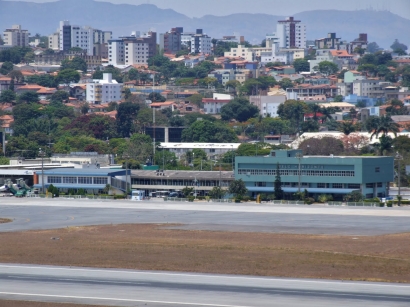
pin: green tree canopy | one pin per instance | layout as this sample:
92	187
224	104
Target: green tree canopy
237	188
205	131
67	76
126	113
301	65
328	68
75	63
28	97
240	109
7	96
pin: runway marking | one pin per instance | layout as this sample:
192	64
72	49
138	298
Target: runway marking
208	276
81	280
120	299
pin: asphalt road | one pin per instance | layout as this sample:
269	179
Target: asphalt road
140	288
28	214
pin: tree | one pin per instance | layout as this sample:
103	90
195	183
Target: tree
323	146
16	75
59	96
240	109
85	108
397	45
293	110
328	68
372	47
347	127
68	75
75	63
76	49
126	113
205	131
301	65
278	184
6	67
28	97
237	188
156	97
359	50
383	124
354	196
286	83
369	69
338	98
217	193
7	96
176	121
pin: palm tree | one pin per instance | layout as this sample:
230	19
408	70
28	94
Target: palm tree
347	127
315	108
327	114
383	124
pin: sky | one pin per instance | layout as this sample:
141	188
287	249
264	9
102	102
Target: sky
198	8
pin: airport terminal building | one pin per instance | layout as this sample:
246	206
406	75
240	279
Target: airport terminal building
335	175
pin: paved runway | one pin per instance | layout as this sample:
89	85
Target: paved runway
50	214
158	289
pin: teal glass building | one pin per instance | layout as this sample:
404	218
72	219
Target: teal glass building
335	175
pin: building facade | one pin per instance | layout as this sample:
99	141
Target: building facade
170	42
333	175
201	43
291	33
268	105
104	91
131	50
16	36
213	105
241	51
175	181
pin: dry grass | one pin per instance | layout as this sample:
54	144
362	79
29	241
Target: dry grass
151	247
39	304
3	220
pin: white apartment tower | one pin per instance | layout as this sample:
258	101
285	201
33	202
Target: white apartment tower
16	36
291	33
76	36
54	40
104	91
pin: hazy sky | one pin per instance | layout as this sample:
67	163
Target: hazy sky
199	8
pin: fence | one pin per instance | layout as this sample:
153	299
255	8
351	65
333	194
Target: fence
353	204
224	200
71	196
287	202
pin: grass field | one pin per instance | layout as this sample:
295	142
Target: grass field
153	247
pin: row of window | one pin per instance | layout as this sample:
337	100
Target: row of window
175	182
355	186
77	180
285	172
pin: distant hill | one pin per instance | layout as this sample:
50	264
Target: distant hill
381	26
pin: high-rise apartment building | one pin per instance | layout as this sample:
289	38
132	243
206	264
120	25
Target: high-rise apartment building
170	42
201	43
69	36
291	33
134	49
16	36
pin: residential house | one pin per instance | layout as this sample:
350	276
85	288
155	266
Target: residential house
268	105
213	105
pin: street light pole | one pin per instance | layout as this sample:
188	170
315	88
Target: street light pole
41	153
398	158
126	156
299	156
